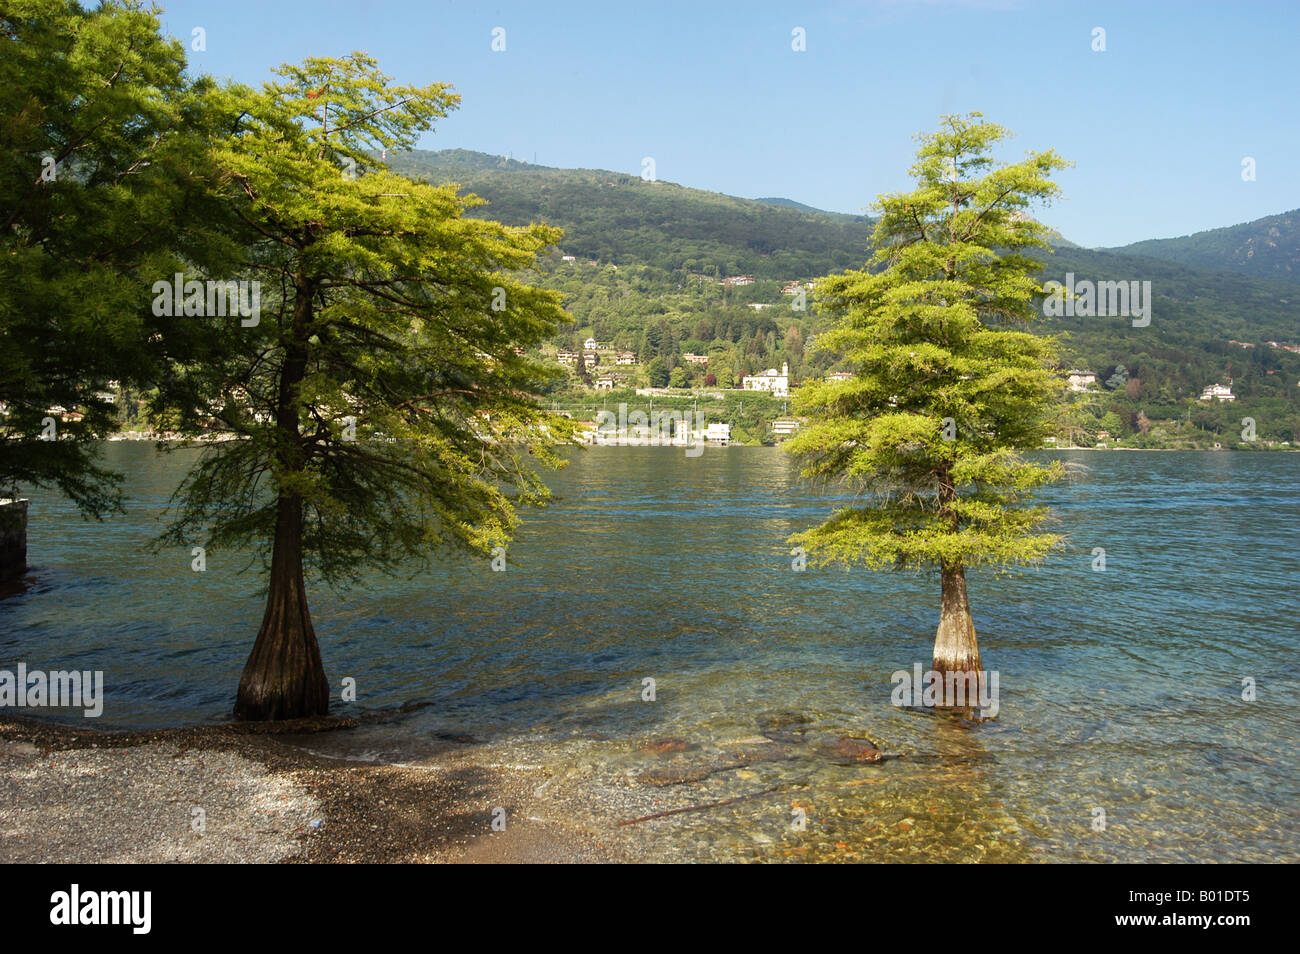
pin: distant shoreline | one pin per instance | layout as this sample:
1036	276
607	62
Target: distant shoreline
141	437
1205	450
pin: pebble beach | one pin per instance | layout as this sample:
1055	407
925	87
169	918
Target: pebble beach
230	794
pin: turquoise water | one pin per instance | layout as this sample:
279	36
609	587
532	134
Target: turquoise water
1119	690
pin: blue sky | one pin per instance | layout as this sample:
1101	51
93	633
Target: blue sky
1157	125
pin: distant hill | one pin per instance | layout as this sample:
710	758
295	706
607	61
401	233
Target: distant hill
622	218
1265	248
1216	305
649	257
614	217
788	204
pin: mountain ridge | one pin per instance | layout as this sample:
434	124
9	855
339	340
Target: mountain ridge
1268	247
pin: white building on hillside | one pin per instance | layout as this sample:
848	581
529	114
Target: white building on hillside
1220	392
1081	380
773	381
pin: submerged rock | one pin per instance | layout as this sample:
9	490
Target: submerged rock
669	745
680	773
784	726
1224	757
766	752
850	749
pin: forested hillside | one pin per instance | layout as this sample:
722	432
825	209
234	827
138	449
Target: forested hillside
1266	248
642	267
622	218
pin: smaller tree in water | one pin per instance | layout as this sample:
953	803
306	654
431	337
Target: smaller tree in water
949	384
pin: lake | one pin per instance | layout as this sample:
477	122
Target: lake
1120	690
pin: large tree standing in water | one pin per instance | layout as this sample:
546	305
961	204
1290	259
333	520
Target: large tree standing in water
382	410
949	384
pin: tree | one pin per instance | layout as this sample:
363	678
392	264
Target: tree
949	386
721	368
658	372
101	181
382	412
794	341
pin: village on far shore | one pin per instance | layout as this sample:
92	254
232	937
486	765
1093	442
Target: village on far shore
601	368
712	408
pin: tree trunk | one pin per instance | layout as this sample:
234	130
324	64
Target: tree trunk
284	677
955	648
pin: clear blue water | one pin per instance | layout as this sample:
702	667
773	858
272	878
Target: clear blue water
1119	690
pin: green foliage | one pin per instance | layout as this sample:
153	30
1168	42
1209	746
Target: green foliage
949	386
101	182
643	281
612	216
380	390
658	372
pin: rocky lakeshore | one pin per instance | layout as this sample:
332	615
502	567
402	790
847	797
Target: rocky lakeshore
368	789
234	793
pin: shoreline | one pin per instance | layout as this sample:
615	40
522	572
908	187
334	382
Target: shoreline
140	437
88	795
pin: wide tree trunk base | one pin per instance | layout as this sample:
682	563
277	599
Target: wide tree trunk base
284	677
956	650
